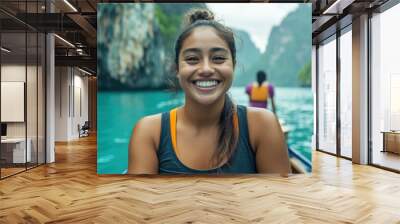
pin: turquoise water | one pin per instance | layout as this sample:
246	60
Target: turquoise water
119	111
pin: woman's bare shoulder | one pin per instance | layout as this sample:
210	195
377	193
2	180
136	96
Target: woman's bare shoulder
260	116
262	124
143	146
150	121
149	127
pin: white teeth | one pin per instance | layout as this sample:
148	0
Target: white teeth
206	84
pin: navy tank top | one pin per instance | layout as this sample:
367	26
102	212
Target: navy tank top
241	161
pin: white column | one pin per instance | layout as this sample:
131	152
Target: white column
314	91
50	93
360	90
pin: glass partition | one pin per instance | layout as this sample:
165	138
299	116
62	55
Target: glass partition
22	88
385	89
346	93
327	95
13	108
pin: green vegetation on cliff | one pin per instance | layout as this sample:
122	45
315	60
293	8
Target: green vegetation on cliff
169	19
168	24
305	75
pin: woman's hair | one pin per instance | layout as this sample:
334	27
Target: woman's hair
204	17
227	136
261	77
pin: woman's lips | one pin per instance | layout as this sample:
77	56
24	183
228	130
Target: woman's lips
206	86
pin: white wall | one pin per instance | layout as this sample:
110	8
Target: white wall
71	93
13	73
80	83
62	81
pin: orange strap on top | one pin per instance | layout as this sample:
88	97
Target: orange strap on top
236	123
172	124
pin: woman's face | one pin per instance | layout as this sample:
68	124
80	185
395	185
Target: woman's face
205	66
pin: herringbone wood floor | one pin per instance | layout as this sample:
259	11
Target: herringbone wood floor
70	191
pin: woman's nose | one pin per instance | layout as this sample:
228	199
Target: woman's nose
207	68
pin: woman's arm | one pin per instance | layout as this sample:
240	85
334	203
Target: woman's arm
267	138
143	145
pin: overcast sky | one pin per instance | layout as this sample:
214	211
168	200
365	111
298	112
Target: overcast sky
255	18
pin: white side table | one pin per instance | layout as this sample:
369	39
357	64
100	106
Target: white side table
19	149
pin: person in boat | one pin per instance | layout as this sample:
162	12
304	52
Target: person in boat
209	133
259	92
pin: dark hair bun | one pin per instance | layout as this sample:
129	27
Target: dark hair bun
199	14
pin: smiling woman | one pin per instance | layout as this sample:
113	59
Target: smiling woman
209	133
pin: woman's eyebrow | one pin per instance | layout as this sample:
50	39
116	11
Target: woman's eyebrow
198	50
189	50
214	49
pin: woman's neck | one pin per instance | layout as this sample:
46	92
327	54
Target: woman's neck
202	115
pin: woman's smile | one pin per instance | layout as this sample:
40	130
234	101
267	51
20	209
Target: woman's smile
206	85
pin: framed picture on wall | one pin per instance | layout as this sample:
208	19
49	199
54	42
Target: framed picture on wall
12	101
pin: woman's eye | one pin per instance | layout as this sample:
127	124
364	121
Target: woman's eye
191	60
219	59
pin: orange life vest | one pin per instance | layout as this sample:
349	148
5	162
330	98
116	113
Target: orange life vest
259	93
